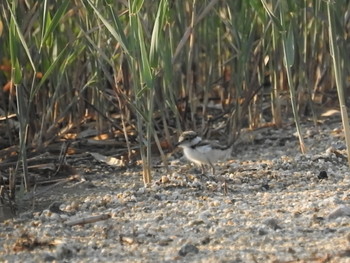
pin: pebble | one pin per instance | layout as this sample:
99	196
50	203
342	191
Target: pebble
165	179
340	211
272	223
322	175
64	251
188	248
262	231
276	209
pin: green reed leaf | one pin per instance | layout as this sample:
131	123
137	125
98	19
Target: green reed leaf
50	25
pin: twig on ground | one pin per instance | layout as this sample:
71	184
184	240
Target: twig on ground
88	220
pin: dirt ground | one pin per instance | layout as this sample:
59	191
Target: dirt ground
269	203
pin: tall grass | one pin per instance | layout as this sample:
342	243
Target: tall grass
161	67
338	54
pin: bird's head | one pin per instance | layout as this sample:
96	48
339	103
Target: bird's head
188	139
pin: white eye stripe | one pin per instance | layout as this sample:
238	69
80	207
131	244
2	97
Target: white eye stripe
187	136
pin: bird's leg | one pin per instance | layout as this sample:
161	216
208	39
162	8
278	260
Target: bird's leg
225	187
212	168
205	174
203	169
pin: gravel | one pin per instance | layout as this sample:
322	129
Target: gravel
270	203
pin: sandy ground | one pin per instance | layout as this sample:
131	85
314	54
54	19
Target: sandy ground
270	203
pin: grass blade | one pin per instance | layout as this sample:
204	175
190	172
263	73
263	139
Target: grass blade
110	28
49	71
20	35
337	67
48	29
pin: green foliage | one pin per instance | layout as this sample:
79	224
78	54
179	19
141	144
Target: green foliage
160	64
49	25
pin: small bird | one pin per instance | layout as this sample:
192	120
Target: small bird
202	152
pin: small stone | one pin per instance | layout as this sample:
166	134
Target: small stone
55	216
322	175
55	208
64	251
265	187
165	241
49	257
165	179
196	222
345	253
328	230
158	197
232	201
188	248
75	205
141	190
291	250
339	212
205	241
26	215
330	150
45	214
317	219
272	223
262	232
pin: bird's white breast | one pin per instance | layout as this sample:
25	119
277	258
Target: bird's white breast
205	154
196	156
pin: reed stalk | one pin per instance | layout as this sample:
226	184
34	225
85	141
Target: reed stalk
164	66
338	70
